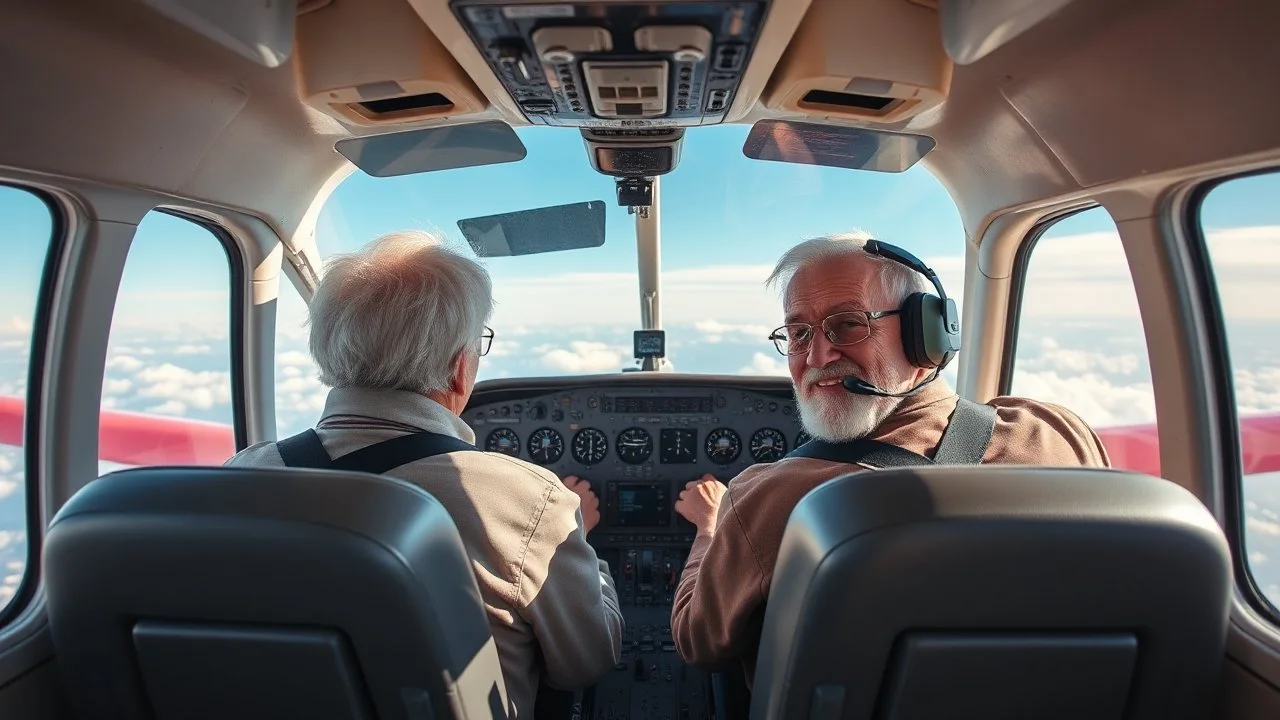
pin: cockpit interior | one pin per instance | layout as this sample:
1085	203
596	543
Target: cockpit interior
1094	183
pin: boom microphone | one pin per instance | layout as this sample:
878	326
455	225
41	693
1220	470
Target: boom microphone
858	386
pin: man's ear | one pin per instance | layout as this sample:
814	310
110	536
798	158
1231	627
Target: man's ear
458	373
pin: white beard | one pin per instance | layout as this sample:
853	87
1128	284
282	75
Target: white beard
840	418
844	416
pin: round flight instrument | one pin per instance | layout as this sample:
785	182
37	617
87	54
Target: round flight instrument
802	438
503	440
723	446
634	445
545	446
767	445
590	446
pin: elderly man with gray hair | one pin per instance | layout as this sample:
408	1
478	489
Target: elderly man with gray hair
397	330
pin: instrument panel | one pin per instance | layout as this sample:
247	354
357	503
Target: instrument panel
652	432
638	439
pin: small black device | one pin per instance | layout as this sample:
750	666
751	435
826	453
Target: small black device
650	343
635	192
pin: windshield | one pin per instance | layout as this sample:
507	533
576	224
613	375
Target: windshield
725	220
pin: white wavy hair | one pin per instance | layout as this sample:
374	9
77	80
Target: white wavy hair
395	314
897	280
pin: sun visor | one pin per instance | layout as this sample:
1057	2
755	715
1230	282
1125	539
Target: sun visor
835	146
430	149
528	232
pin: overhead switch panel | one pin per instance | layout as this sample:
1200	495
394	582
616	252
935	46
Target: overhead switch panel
658	63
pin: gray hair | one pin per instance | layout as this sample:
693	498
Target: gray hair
897	280
395	314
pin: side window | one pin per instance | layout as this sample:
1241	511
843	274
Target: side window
26	232
1240	222
166	396
299	395
1080	342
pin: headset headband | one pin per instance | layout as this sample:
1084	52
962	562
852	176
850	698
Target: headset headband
902	257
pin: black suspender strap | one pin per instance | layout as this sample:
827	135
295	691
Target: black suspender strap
964	442
872	453
305	450
967	436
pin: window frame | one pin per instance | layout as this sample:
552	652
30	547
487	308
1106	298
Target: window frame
1230	465
1017	289
31	442
236	278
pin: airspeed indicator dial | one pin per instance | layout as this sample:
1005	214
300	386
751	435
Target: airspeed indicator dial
590	446
768	445
723	446
545	446
503	440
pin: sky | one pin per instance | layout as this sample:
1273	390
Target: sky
725	219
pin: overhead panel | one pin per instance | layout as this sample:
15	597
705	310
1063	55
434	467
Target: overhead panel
668	63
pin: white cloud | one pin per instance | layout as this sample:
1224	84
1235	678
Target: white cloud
1262	527
127	363
293	357
169	407
192	350
762	364
502	348
714	330
7	488
15	325
584	356
201	389
117	386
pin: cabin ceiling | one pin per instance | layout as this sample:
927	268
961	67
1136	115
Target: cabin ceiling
1100	91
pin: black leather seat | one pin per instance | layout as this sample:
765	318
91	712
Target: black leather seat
259	593
995	592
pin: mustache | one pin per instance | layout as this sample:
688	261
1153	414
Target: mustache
834	371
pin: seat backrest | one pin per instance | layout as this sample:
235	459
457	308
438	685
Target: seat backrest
995	592
204	593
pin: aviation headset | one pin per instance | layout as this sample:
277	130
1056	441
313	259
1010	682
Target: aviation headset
930	323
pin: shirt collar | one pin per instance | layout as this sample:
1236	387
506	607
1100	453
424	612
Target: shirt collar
398	406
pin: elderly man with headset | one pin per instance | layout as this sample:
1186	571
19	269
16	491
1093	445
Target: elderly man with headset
865	339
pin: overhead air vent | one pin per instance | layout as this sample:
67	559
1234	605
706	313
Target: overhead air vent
374	63
869	103
412	104
880	61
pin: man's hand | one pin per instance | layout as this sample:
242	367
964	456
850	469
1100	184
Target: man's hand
699	502
590	503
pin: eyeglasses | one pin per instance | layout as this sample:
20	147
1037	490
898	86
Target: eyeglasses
842	328
486	340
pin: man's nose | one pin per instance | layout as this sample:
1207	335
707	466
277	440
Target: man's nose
821	352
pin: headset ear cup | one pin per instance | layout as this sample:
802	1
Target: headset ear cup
912	316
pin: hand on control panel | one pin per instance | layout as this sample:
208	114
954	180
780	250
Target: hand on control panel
699	502
590	503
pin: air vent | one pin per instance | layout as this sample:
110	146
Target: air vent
847	100
425	101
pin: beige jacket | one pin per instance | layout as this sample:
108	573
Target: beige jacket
719	604
551	602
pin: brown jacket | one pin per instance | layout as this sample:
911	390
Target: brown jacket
719	603
550	601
